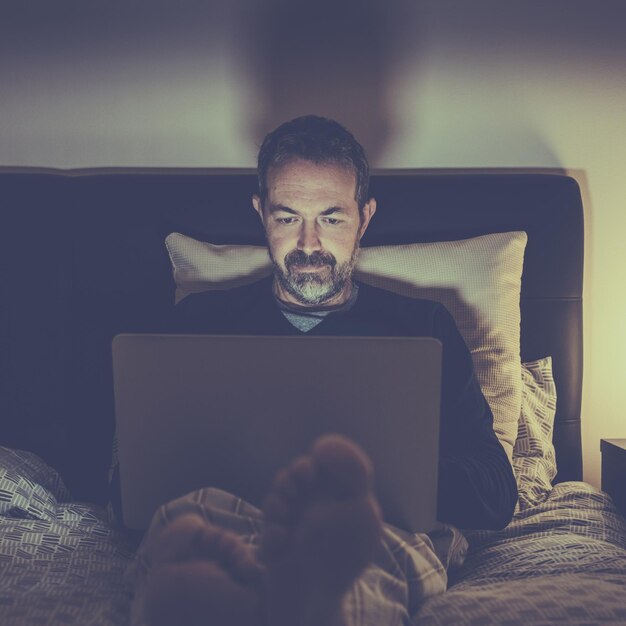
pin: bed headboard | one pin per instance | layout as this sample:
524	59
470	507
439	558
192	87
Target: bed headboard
87	261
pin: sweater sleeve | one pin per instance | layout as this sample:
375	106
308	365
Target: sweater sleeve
477	488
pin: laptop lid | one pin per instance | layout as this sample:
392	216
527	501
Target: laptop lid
195	411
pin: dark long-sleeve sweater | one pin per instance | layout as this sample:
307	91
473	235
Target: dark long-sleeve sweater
477	488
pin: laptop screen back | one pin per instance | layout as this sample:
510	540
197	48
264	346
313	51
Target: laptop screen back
194	411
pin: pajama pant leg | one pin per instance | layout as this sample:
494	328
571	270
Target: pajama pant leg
407	569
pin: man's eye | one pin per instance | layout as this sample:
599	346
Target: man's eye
332	221
285	220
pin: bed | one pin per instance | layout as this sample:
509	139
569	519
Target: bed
86	259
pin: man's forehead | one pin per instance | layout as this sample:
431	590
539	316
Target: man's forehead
305	179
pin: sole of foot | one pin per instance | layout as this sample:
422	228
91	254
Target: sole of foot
322	529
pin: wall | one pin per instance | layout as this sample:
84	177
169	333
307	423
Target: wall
438	83
536	84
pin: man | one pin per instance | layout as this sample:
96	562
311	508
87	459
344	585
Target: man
324	557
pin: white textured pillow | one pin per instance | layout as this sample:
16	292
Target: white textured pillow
478	280
534	459
199	266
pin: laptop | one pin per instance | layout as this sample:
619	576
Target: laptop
197	411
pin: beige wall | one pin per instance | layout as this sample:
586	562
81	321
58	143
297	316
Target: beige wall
487	83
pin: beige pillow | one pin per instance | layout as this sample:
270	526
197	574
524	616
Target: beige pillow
478	280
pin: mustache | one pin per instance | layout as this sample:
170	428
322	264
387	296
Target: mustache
299	258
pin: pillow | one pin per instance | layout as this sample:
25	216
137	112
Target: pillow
534	459
199	266
478	280
29	488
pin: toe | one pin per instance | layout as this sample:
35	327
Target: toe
343	467
277	508
241	563
284	484
228	550
181	539
303	475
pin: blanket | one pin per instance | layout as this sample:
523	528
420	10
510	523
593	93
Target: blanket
562	561
61	562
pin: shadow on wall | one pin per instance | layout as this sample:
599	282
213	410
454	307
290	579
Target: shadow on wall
329	57
166	81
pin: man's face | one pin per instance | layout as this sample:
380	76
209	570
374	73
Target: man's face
313	229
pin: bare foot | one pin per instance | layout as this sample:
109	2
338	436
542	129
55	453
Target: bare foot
322	528
203	574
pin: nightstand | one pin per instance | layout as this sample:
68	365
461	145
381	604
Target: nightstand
614	471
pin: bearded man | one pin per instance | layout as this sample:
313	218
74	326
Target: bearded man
320	553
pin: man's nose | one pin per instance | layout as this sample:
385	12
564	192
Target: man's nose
309	240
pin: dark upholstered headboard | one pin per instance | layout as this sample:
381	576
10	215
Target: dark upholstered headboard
85	259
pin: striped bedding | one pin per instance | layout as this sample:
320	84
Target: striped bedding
560	562
61	562
563	561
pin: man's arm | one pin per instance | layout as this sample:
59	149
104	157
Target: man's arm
477	488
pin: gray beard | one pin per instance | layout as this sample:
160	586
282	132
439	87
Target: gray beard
312	288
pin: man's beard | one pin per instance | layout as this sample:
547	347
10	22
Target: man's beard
315	287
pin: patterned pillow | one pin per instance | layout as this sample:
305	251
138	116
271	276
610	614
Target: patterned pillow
478	280
534	460
29	488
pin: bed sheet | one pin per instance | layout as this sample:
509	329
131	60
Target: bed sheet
61	562
562	561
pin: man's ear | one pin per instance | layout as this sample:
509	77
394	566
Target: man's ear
258	207
369	208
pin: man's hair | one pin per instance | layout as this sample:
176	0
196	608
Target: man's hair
317	139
